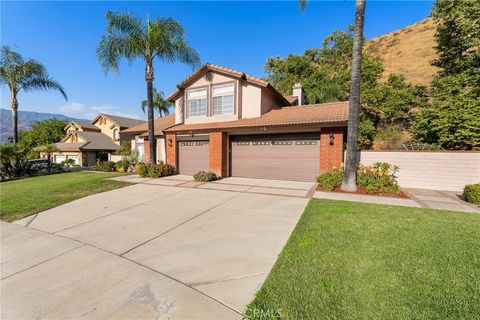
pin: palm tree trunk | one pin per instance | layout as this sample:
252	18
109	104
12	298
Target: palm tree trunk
151	134
49	163
14	107
349	180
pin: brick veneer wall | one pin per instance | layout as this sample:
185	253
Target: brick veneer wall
331	155
146	151
171	149
218	153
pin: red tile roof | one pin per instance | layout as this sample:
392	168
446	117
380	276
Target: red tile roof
324	113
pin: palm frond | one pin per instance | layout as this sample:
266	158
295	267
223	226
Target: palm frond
43	83
143	105
126	23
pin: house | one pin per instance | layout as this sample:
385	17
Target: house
237	125
139	138
85	143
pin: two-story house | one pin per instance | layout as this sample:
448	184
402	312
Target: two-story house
85	143
238	125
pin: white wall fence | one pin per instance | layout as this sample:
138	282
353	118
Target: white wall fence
115	157
438	170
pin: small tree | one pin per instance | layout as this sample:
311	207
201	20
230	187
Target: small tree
48	149
159	103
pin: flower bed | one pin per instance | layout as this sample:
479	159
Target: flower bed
378	179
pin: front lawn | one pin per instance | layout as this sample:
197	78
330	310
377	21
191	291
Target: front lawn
350	260
20	198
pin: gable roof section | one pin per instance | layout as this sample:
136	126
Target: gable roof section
324	113
83	125
122	122
159	125
93	141
227	71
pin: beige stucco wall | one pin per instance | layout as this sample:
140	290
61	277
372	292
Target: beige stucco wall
430	170
161	154
251	101
106	128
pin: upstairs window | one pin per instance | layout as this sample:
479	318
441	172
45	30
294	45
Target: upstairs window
223	97
115	134
197	102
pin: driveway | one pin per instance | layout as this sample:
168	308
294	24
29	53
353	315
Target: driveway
161	249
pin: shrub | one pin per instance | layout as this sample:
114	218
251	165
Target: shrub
122	165
205	176
328	181
105	166
154	170
471	193
13	162
141	169
377	178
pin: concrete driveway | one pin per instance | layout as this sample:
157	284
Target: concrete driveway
161	249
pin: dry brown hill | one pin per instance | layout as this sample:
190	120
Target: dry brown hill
407	51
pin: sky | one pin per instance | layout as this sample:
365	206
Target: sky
242	35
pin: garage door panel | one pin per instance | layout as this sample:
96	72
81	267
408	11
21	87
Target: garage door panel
288	157
193	156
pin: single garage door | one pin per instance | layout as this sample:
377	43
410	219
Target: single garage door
193	156
281	156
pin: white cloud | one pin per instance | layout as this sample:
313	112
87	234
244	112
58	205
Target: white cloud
73	108
80	110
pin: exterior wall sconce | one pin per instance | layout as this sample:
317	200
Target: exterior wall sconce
264	129
170	142
331	137
191	133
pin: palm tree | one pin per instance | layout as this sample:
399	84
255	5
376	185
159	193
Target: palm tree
48	149
130	37
159	103
28	75
350	177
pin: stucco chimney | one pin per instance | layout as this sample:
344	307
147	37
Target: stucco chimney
298	92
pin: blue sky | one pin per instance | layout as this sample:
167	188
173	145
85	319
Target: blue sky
239	35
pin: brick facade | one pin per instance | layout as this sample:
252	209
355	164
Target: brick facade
171	142
146	151
219	153
331	155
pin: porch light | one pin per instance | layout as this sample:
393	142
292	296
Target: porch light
191	133
170	142
332	138
264	129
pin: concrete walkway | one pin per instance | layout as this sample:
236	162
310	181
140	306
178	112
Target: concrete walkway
419	198
156	249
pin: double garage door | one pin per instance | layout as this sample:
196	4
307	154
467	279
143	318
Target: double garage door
284	157
278	156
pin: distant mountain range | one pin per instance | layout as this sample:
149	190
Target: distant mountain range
25	120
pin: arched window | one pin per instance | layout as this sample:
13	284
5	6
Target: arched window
115	134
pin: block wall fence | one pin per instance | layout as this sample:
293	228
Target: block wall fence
438	170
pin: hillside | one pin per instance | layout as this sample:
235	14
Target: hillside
25	120
407	51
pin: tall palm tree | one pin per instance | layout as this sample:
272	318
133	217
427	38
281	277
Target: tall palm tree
159	103
349	182
350	177
130	37
20	74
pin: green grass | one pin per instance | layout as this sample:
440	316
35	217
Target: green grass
23	197
348	260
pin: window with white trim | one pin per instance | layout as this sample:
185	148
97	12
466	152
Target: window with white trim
223	99
197	102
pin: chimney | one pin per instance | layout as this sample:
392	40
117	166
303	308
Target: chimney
298	92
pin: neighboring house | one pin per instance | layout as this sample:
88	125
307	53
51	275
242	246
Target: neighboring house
237	125
139	138
85	143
